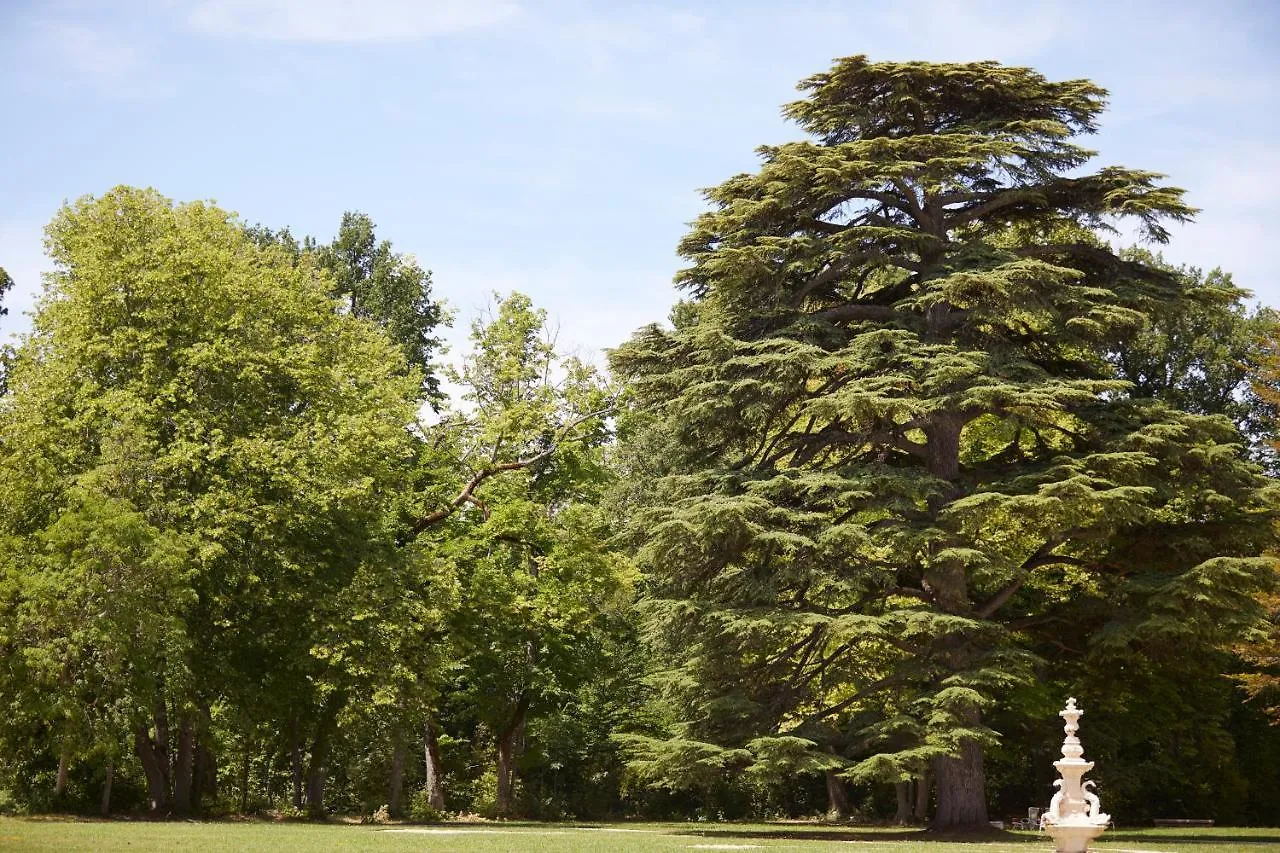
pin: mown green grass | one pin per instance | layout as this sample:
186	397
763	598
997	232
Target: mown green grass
67	835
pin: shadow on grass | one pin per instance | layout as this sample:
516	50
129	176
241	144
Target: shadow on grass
853	834
1241	841
1194	837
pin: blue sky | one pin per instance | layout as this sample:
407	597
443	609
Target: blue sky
558	147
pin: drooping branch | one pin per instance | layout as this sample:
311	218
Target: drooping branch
870	689
1043	556
1098	256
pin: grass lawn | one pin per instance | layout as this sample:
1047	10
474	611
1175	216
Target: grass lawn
68	835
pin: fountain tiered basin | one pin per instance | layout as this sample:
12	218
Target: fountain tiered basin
1075	815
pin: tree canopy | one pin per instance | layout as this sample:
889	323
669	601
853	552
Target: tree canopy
197	441
894	452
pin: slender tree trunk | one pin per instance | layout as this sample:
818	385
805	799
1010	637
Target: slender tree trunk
903	792
244	777
922	797
269	772
163	755
837	796
506	775
155	766
64	774
399	753
508	739
184	767
105	807
297	776
435	771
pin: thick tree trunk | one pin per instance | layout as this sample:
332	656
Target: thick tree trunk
922	798
903	793
399	752
64	774
961	788
316	777
943	446
508	740
106	788
317	770
204	778
837	796
435	771
184	767
155	766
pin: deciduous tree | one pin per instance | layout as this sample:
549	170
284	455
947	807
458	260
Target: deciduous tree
192	421
539	585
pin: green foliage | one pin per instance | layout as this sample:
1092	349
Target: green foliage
920	455
421	810
1260	649
375	283
541	592
196	461
890	456
388	288
1205	354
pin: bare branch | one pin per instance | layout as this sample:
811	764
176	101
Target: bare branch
467	495
990	204
1043	556
873	687
842	313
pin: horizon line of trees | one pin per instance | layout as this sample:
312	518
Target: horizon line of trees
919	454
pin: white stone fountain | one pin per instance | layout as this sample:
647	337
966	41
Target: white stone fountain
1075	815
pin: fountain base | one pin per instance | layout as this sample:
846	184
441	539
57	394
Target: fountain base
1073	837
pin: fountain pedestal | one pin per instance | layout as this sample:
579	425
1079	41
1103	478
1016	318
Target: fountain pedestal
1075	814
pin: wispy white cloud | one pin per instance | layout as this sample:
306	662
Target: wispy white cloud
619	40
982	29
75	55
90	51
345	20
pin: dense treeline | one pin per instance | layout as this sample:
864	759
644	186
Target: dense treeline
919	455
